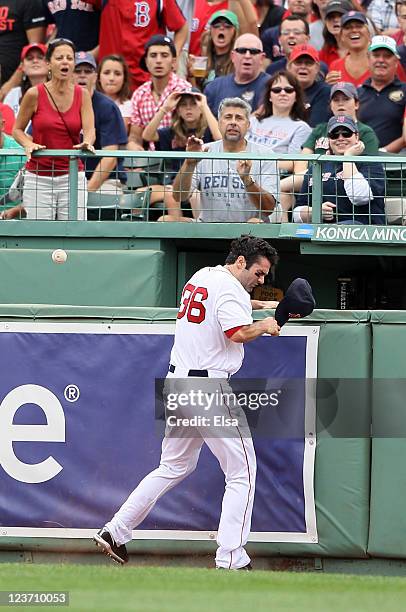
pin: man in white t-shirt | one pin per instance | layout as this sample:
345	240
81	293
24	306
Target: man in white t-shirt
213	323
230	190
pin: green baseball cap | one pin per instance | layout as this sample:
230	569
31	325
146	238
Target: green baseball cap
229	15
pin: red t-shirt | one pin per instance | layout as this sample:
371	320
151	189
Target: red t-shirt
126	26
345	76
202	13
8	117
48	129
328	55
398	37
340	65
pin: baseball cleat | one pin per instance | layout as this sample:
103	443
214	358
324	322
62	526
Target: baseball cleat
104	540
247	568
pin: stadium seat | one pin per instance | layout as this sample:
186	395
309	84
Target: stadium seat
138	203
395	193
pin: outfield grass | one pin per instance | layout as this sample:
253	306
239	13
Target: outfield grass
168	589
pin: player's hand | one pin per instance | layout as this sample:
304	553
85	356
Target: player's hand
271	326
328	211
356	149
263	304
244	168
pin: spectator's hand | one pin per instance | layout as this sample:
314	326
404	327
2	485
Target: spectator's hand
356	149
194	145
244	168
328	210
201	101
171	102
333	77
189	65
33	146
85	146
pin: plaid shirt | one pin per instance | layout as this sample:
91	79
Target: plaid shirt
144	107
382	13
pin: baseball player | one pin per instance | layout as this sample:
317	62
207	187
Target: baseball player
213	323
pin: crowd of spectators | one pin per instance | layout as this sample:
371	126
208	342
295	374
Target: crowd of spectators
262	76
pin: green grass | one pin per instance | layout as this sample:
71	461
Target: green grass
168	589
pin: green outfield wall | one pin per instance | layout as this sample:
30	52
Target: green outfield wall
360	482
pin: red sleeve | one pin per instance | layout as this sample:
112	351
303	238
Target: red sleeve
231	332
173	16
8	117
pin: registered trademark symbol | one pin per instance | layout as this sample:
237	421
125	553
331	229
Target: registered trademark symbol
71	393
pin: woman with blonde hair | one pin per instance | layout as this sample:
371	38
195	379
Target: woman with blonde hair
217	44
191	115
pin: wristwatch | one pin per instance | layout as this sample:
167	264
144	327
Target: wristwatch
251	182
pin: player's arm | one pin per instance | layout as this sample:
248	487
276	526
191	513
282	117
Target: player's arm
246	333
263	304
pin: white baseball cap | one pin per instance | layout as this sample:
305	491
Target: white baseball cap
383	42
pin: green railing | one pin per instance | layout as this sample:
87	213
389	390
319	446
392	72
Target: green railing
395	166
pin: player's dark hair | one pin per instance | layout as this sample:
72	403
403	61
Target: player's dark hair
251	248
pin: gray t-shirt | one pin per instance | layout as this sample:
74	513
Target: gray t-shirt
281	134
223	196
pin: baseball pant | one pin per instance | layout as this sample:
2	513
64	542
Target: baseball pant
235	452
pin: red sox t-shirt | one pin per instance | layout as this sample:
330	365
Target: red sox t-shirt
127	25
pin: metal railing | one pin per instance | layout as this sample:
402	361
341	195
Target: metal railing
134	200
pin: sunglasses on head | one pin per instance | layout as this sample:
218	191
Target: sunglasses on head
288	89
345	132
250	50
60	41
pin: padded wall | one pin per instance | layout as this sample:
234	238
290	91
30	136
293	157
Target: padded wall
90	278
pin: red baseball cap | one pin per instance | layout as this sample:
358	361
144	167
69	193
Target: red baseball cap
27	49
301	50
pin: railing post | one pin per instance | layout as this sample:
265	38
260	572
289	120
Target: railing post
316	192
73	188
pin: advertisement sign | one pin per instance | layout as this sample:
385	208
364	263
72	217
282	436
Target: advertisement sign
78	432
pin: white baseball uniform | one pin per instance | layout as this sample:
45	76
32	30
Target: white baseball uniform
213	304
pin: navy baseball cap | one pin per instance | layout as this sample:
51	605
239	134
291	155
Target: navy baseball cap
342	121
82	57
348	89
297	303
162	41
353	16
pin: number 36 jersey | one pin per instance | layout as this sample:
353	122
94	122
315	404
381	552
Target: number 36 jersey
213	304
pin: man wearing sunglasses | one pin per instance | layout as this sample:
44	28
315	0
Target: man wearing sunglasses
352	193
247	82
